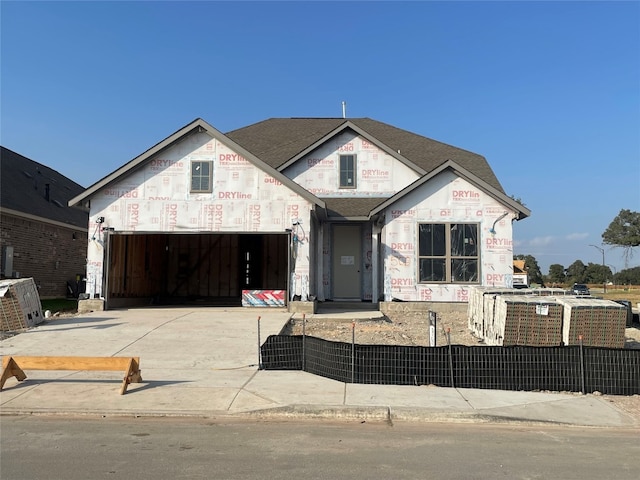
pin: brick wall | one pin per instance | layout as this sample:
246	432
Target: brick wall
46	252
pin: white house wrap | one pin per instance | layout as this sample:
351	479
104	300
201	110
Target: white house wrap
323	209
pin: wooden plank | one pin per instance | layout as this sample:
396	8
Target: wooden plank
139	287
234	273
15	366
116	268
224	266
156	273
203	265
71	363
275	261
132	375
193	242
10	369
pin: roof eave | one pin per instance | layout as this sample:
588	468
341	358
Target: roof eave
136	162
198	125
38	218
373	140
521	210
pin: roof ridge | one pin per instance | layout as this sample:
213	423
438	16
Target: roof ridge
43	166
421	136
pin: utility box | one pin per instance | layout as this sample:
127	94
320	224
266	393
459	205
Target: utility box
7	261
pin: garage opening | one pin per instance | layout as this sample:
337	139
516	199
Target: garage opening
203	269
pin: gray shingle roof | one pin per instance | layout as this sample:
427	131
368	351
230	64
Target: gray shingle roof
351	208
23	188
277	140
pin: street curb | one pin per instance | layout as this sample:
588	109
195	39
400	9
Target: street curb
5	412
430	416
392	415
337	412
314	412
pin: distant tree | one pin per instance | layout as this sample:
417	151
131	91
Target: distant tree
532	267
576	273
624	232
596	273
556	273
517	199
628	276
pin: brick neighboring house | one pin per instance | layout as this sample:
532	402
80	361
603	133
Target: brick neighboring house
40	235
324	209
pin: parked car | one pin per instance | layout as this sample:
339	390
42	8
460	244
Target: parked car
580	289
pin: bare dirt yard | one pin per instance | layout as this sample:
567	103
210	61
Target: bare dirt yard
404	329
413	329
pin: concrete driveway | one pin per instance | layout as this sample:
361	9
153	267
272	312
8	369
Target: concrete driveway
203	361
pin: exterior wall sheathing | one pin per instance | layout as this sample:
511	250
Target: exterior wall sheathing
446	198
156	198
378	173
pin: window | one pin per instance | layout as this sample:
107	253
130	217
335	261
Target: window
201	174
347	171
448	252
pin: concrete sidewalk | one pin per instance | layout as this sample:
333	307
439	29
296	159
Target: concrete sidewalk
204	362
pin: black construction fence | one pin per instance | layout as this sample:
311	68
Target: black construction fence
569	368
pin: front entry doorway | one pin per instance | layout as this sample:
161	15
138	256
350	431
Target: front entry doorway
347	262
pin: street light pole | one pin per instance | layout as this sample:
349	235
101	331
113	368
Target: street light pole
604	282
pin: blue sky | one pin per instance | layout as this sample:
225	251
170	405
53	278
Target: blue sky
548	92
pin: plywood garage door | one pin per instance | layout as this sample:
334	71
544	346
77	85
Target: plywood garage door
208	268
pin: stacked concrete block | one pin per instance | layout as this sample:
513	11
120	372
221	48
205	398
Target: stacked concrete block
481	307
601	323
482	300
20	306
550	292
525	320
12	317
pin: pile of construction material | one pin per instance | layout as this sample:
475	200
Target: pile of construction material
482	304
594	322
525	320
545	317
20	306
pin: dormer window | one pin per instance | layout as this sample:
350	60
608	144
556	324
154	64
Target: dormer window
347	171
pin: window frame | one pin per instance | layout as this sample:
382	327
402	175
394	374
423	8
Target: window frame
209	163
448	259
341	170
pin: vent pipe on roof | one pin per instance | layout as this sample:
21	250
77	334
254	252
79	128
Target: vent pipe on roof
344	109
46	191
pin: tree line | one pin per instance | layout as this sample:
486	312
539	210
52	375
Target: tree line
623	232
